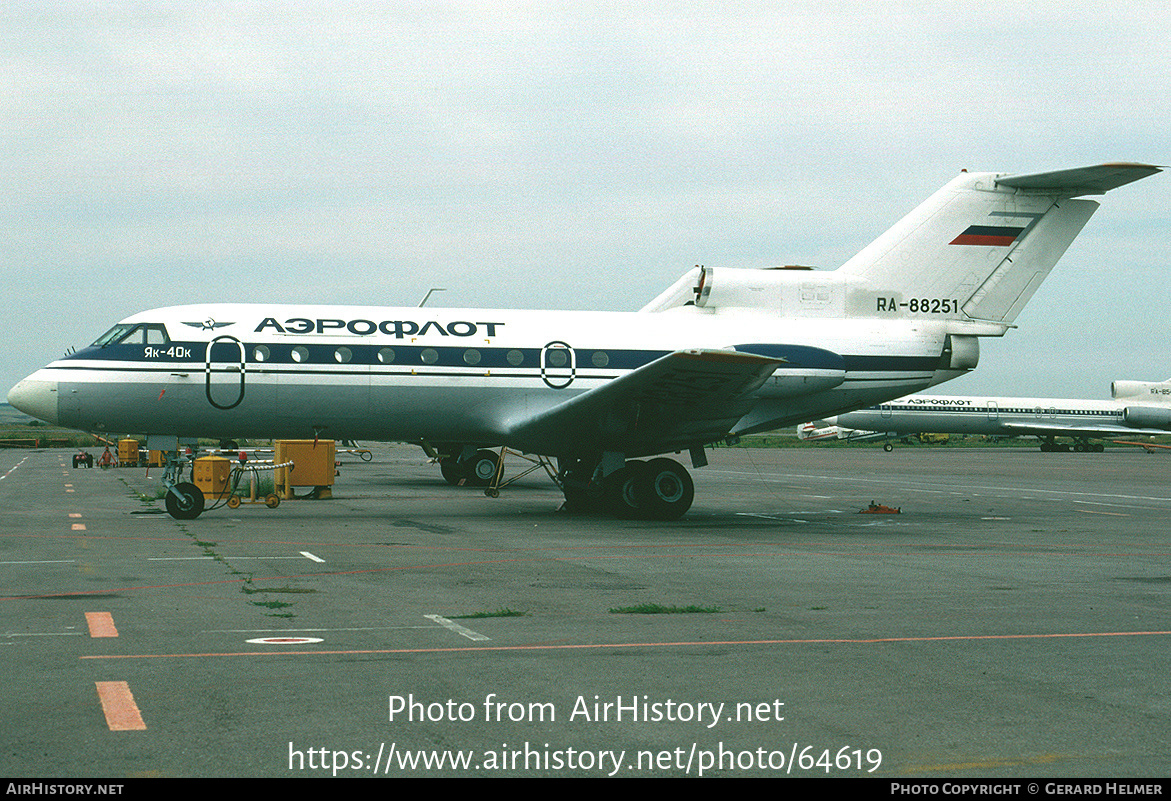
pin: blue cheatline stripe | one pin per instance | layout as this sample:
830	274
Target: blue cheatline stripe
797	356
891	363
410	357
380	354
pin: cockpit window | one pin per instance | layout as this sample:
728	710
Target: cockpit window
131	334
113	335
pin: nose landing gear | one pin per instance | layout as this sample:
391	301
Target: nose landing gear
184	501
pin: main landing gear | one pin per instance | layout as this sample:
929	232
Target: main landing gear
474	470
1050	445
655	489
658	489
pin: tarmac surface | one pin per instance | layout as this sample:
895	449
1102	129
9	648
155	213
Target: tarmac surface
1014	620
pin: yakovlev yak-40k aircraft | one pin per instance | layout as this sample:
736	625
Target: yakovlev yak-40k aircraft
1138	408
720	353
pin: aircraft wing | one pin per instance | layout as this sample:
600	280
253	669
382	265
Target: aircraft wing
685	398
1082	431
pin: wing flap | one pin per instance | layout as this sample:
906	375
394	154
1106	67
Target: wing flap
685	398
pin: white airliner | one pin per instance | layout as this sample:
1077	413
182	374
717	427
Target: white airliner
1141	408
721	352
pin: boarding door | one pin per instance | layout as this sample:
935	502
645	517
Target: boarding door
558	365
224	363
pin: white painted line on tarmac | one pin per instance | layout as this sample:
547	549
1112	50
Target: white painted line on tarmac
205	558
777	518
18	464
457	628
308	555
43	562
285	640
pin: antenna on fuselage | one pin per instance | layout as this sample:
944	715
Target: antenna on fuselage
423	302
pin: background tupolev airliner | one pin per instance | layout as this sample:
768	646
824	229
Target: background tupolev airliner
721	352
1138	408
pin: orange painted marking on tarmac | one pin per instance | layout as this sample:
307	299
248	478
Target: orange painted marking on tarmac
118	705
77	527
75	514
591	646
101	624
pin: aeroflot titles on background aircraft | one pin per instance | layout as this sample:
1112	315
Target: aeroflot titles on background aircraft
1137	408
721	352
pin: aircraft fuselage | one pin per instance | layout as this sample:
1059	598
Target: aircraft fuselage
409	374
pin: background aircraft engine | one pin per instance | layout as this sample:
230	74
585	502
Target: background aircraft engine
1141	390
1147	416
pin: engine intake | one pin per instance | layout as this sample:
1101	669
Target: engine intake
1147	416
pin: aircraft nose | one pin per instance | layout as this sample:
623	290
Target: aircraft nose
37	398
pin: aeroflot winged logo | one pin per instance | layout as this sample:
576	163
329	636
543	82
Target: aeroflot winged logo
208	325
362	328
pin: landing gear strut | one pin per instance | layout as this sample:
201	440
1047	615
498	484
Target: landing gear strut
184	500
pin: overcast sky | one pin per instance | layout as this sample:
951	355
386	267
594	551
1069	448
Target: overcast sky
562	155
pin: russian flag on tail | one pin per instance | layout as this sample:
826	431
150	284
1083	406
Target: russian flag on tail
988	235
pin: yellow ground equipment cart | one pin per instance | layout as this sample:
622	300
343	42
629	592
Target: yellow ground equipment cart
211	474
128	452
314	466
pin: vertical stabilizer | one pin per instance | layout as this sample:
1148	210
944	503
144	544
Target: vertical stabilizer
979	248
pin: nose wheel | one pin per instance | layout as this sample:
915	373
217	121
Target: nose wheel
184	501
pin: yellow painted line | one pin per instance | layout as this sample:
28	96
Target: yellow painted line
75	514
118	706
101	624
